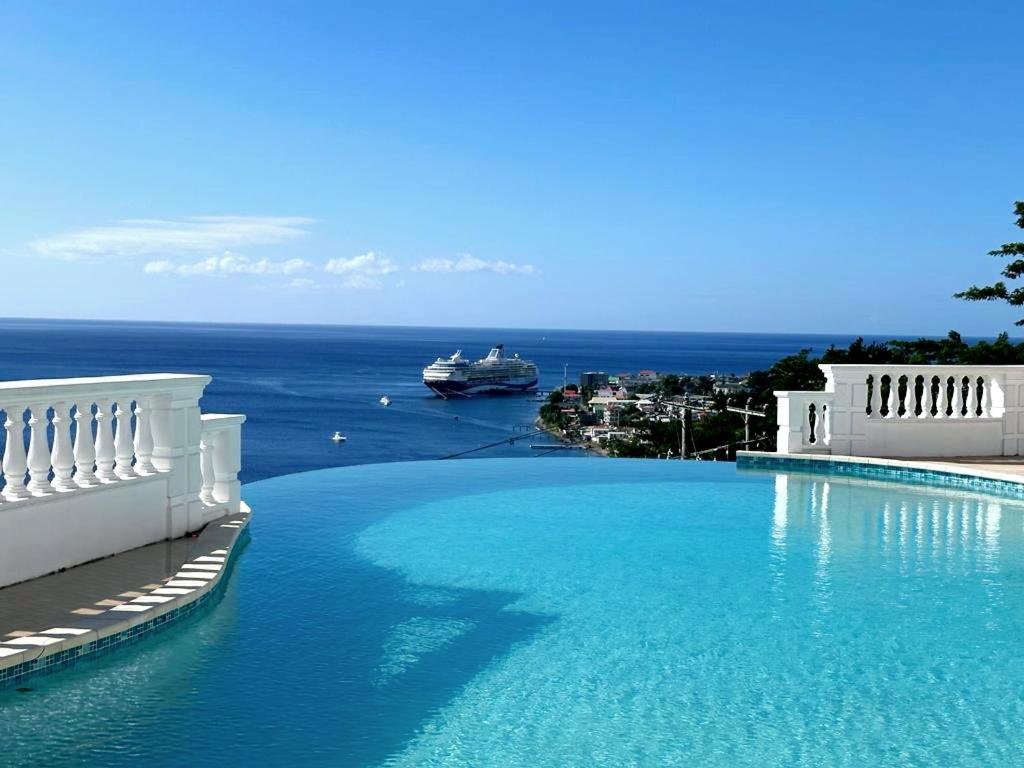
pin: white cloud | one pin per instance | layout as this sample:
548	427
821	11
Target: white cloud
227	265
468	263
368	264
133	238
362	272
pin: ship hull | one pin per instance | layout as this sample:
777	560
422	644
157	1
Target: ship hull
467	388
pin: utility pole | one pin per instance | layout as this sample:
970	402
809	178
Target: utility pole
565	376
682	433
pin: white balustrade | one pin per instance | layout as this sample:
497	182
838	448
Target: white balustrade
220	459
142	432
804	421
912	410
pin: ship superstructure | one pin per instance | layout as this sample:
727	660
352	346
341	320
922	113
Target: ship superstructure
495	373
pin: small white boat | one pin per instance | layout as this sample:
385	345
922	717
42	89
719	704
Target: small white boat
337	437
385	401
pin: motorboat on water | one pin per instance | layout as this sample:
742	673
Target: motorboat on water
385	401
337	437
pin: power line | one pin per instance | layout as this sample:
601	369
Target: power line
510	440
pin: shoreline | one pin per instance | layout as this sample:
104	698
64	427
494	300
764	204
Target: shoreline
589	447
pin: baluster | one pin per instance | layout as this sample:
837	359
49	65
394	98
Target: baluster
894	396
972	397
876	396
940	398
927	397
14	463
38	452
958	397
986	397
104	442
908	397
85	451
61	458
206	465
143	439
824	425
124	447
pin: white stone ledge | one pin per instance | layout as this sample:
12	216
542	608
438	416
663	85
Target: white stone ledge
10	505
71	389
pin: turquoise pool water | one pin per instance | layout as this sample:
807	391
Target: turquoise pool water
513	612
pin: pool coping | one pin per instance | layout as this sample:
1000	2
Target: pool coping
936	472
198	582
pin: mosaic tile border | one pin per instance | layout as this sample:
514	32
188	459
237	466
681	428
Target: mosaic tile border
885	469
87	638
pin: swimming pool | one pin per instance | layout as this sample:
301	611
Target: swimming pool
513	612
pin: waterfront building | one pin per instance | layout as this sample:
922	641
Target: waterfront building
593	379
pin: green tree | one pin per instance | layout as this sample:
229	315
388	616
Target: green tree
1015	269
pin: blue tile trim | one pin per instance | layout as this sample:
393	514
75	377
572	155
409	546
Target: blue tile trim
55	662
911	475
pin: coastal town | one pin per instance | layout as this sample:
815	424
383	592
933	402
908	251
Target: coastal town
648	414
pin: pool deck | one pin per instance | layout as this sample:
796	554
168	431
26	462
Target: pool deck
65	610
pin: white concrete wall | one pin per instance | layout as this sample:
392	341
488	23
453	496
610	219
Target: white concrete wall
39	536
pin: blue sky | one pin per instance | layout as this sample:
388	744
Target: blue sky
809	167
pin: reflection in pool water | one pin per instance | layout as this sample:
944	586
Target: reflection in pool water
586	612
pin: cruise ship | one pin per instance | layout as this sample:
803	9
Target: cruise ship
494	373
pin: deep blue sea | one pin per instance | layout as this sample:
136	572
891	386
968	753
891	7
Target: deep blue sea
298	384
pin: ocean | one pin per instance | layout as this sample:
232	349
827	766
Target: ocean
298	384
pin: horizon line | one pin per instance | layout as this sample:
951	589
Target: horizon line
290	324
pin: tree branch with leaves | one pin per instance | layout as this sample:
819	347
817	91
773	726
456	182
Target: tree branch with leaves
1015	269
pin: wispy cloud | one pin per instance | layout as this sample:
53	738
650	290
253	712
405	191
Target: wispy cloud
468	263
134	238
227	265
362	272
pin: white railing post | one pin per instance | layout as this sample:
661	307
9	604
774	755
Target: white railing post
15	464
104	441
61	458
143	438
206	465
986	397
893	400
124	447
790	425
175	424
85	450
972	397
958	397
222	440
38	452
